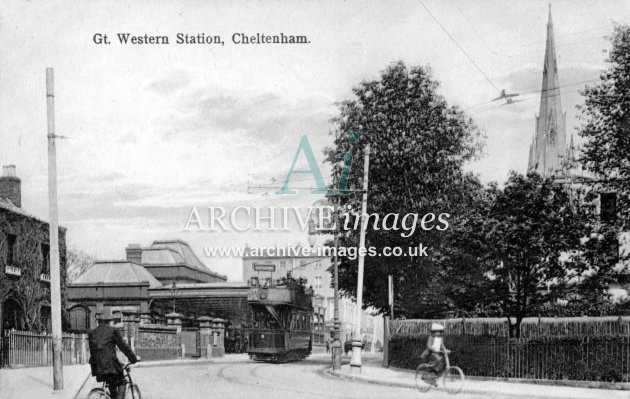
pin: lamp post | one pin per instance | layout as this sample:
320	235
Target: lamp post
355	361
336	346
173	294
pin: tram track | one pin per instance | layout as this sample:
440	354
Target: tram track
254	372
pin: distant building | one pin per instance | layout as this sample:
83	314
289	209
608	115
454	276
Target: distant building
24	260
113	284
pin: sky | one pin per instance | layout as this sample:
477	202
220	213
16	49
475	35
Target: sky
155	130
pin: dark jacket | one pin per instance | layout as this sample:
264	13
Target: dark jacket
103	342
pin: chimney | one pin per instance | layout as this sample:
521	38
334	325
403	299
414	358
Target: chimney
134	253
11	185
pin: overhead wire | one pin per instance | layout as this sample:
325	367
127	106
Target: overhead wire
459	46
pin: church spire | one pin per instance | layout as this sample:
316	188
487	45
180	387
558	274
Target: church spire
549	147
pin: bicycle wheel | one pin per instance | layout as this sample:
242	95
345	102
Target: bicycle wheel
133	392
98	393
422	373
453	379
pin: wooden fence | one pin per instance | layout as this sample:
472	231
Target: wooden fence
605	358
531	327
575	348
28	349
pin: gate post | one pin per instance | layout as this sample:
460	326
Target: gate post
175	319
130	323
205	336
386	341
218	342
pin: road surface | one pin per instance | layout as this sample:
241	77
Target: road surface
242	378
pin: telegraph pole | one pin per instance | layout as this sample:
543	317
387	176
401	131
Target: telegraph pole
55	275
355	361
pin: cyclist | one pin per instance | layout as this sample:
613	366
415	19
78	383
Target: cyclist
434	352
104	363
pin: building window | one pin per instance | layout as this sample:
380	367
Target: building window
318	282
283	265
608	206
45	259
318	264
11	249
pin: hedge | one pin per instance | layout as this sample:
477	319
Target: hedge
605	358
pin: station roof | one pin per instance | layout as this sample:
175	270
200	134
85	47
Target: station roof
117	272
174	252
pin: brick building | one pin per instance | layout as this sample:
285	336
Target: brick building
150	280
24	261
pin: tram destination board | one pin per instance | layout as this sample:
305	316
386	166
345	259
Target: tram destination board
261	267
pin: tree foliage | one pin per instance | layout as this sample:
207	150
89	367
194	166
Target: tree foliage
606	125
78	262
533	235
419	144
28	290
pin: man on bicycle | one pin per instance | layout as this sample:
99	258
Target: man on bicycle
104	363
434	352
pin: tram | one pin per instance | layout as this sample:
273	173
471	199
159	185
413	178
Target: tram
282	320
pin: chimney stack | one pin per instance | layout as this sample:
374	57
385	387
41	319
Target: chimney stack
134	253
11	185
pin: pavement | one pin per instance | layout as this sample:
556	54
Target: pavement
37	382
373	372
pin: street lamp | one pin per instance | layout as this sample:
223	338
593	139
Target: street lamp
174	290
336	333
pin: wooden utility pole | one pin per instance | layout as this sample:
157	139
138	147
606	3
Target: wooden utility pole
355	361
55	275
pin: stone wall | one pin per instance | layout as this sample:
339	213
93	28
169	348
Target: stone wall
164	341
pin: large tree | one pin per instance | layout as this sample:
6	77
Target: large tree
606	125
533	238
606	153
419	144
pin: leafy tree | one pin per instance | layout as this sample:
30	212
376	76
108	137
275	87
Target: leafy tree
606	116
6	284
78	262
419	144
29	292
533	235
606	153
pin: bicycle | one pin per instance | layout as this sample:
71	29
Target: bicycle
452	376
130	387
